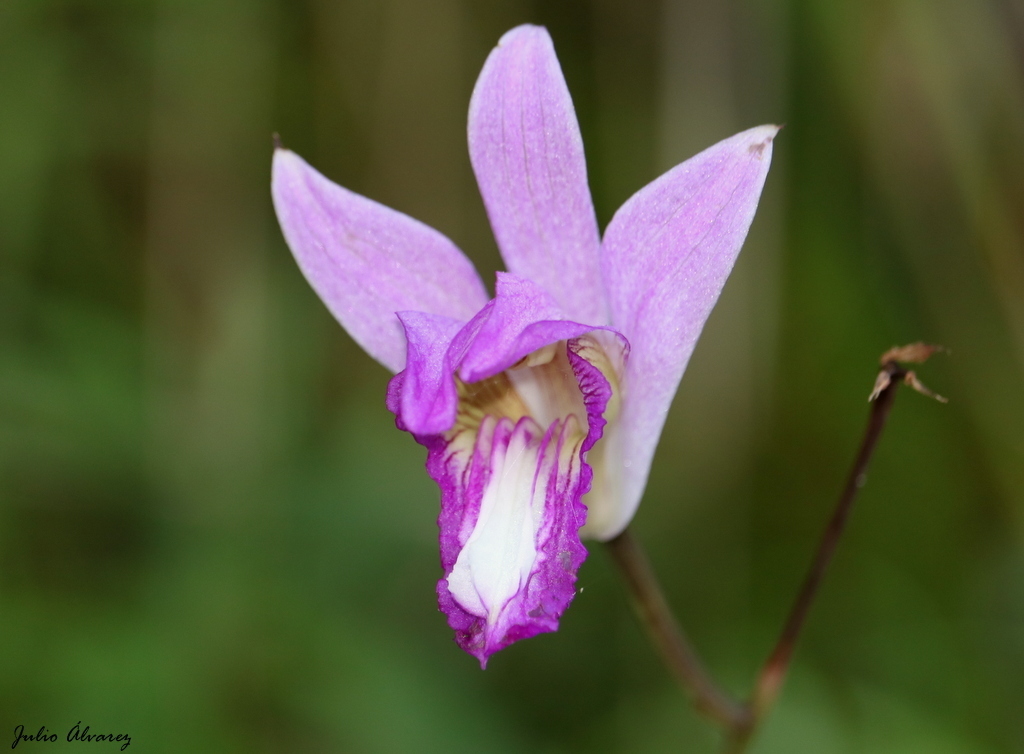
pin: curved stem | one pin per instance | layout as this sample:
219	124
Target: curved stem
773	673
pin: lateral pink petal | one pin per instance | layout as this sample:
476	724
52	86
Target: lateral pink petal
527	153
666	256
367	261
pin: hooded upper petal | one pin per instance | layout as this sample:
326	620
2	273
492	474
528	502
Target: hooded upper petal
516	328
523	319
367	261
527	153
666	256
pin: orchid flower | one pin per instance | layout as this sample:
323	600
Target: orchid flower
540	408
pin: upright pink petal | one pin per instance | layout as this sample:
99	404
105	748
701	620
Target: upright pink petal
666	256
367	261
527	153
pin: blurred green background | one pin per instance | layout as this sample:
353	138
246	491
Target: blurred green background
213	539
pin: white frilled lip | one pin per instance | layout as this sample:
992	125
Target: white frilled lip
512	484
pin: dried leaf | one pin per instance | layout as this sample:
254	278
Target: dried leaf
915	353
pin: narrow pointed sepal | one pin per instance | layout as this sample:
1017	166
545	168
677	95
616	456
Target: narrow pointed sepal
367	261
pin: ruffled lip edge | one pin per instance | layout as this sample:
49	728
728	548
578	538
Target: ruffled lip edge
538	606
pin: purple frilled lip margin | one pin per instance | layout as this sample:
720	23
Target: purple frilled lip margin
540	408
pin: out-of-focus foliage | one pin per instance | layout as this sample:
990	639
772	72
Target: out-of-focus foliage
211	536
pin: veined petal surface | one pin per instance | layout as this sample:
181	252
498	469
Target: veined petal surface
665	257
527	153
367	261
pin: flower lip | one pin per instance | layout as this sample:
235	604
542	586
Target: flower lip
512	472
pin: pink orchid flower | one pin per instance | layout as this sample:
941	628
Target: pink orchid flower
540	408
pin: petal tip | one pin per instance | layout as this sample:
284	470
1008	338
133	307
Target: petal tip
761	137
523	31
285	160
